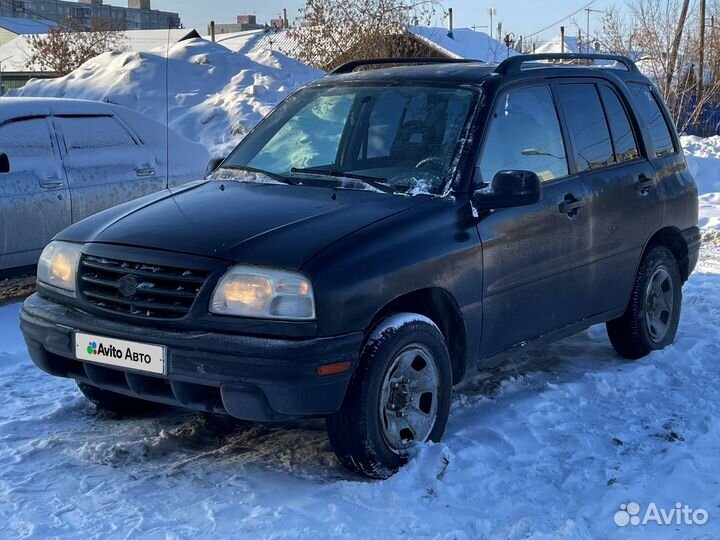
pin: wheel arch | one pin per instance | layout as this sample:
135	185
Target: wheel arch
671	238
440	306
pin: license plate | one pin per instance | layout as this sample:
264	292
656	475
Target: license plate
120	353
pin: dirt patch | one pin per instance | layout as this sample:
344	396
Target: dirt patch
16	288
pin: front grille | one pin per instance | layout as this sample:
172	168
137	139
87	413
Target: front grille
139	289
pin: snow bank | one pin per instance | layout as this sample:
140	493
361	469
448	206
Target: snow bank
217	95
703	157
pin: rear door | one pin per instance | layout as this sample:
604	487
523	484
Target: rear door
535	270
623	206
105	164
34	196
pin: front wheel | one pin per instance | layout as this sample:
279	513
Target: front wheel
651	319
400	395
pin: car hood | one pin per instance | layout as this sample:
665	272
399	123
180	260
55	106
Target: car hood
254	223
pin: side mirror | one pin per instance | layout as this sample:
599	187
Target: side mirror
213	164
508	189
4	164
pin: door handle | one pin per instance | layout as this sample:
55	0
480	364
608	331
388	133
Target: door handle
644	184
143	173
52	181
570	205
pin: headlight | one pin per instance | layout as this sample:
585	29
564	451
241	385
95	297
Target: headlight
264	293
58	265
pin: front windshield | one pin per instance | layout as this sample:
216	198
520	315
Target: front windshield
399	139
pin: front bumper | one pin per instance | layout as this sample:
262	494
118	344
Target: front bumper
259	379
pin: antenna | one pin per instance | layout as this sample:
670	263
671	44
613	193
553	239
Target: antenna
167	109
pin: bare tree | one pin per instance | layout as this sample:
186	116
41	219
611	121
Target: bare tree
69	45
331	32
663	37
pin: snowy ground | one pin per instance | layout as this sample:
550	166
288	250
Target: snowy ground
548	446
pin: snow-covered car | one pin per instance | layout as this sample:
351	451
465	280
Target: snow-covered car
63	160
377	237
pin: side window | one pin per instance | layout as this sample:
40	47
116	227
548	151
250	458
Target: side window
524	134
587	125
92	132
650	110
26	138
620	128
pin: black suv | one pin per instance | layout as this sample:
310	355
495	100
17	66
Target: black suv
378	236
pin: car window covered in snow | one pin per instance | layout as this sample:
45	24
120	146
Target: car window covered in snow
87	132
524	135
401	136
26	138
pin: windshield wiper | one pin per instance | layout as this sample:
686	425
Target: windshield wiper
378	183
274	176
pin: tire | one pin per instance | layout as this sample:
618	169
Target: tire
401	388
116	403
649	323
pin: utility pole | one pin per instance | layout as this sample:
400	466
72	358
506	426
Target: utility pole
579	41
562	39
587	29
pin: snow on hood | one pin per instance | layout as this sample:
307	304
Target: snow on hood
216	95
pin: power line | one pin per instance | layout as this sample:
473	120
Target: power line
549	26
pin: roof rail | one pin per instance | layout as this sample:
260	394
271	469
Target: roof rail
514	63
349	67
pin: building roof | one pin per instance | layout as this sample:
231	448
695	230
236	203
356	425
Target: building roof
249	41
464	43
17	51
553	46
25	26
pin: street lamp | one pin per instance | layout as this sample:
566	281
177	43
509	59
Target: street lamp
491	11
587	34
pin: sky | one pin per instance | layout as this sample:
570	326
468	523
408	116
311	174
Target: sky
522	17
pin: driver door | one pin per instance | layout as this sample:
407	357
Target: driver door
534	271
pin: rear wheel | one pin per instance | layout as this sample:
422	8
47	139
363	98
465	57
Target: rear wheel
116	403
651	319
399	396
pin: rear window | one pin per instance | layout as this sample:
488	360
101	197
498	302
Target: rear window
650	111
588	126
92	132
620	128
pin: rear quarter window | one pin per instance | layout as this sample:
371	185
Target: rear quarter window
651	113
